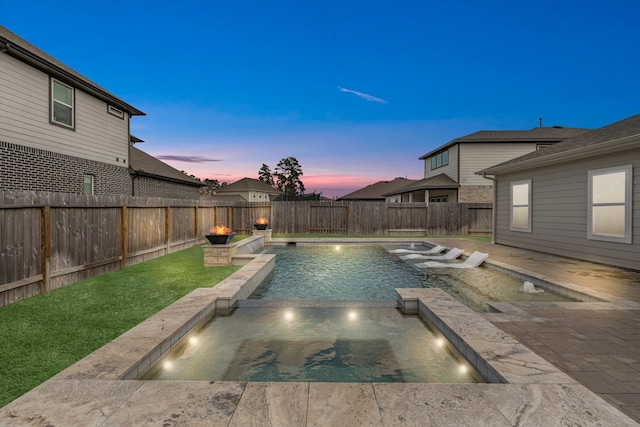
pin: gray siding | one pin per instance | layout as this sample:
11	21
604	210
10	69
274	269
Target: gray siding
24	118
478	156
559	212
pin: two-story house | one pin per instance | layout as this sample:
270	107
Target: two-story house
449	170
61	132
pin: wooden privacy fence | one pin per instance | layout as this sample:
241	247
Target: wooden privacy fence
381	219
50	240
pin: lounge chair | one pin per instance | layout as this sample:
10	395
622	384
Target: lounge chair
473	261
452	254
435	250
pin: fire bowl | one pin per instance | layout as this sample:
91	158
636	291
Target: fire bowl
261	226
219	239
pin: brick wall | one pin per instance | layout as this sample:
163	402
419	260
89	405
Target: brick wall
475	194
150	187
33	169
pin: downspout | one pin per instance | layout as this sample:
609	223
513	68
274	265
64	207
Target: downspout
495	205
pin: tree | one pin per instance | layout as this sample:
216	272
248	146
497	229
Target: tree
288	173
212	184
265	175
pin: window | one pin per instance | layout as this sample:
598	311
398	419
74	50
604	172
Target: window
87	185
609	216
62	104
521	206
439	199
439	160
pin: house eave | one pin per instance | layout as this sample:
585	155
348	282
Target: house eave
63	75
612	146
165	178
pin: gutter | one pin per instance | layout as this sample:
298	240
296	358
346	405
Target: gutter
495	206
5	48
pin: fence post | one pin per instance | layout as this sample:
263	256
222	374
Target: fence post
195	223
167	229
124	236
46	248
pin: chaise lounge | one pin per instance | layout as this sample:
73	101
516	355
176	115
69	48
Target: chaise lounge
473	261
435	250
452	254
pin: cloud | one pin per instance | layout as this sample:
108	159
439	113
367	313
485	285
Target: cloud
363	95
188	159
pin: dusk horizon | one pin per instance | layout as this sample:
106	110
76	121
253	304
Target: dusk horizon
356	92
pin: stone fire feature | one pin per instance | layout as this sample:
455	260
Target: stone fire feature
265	233
223	255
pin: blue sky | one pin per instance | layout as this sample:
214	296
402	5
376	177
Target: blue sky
355	90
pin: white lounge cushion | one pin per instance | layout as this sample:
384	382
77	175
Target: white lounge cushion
435	250
473	261
452	254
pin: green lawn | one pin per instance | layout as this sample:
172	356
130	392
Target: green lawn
44	334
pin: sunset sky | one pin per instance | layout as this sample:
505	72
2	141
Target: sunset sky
355	90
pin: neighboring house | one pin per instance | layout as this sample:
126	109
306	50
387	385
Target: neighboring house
375	192
579	198
245	190
59	131
429	190
152	178
449	170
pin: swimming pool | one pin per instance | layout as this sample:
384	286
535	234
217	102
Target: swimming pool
370	272
327	313
355	343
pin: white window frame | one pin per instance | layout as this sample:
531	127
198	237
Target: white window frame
627	203
54	101
512	206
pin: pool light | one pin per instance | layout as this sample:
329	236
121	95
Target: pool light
288	315
352	315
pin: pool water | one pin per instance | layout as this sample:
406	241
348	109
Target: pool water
364	272
336	344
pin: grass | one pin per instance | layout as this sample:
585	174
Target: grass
45	334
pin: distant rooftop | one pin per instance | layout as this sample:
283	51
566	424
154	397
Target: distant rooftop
538	134
377	190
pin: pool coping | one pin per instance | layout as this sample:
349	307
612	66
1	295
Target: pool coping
511	367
